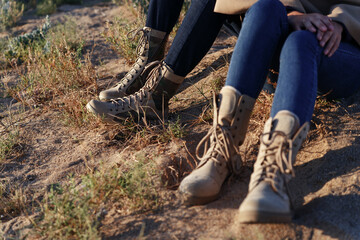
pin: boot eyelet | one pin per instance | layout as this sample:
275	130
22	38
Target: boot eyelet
240	110
123	109
238	119
110	110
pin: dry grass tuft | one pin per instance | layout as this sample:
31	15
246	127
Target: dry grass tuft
60	80
76	209
117	34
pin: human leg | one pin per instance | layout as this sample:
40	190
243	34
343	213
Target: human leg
195	36
302	66
267	199
263	32
163	14
186	51
161	18
246	76
304	70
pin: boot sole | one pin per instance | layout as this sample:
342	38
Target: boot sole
264	217
189	200
150	115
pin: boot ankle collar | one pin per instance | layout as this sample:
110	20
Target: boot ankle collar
157	33
169	74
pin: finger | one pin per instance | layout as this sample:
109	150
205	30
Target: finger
335	46
319	23
325	38
328	23
319	35
330	44
308	26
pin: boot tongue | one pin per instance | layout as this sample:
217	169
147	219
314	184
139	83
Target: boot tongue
286	122
228	100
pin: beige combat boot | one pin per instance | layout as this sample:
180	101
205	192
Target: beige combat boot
221	154
151	100
151	47
268	199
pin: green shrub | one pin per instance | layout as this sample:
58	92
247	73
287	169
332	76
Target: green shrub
10	13
18	47
46	7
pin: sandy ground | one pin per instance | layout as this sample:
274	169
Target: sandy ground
325	191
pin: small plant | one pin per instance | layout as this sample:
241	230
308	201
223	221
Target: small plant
8	141
121	41
142	5
46	7
18	48
75	210
217	83
13	200
9	137
172	130
10	13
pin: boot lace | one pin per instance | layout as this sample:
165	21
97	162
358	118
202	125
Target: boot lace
140	52
218	141
277	159
137	98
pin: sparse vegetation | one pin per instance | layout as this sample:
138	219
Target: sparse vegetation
45	7
18	49
10	13
119	35
8	140
56	74
9	137
76	209
52	75
13	200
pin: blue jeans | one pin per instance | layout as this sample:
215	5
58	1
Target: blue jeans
163	14
265	41
195	36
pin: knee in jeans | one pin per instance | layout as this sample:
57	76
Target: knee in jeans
270	7
302	41
303	38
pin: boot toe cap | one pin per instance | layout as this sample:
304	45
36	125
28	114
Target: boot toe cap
198	186
99	108
263	204
111	93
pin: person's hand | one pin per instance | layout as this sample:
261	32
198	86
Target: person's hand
311	22
330	39
327	32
